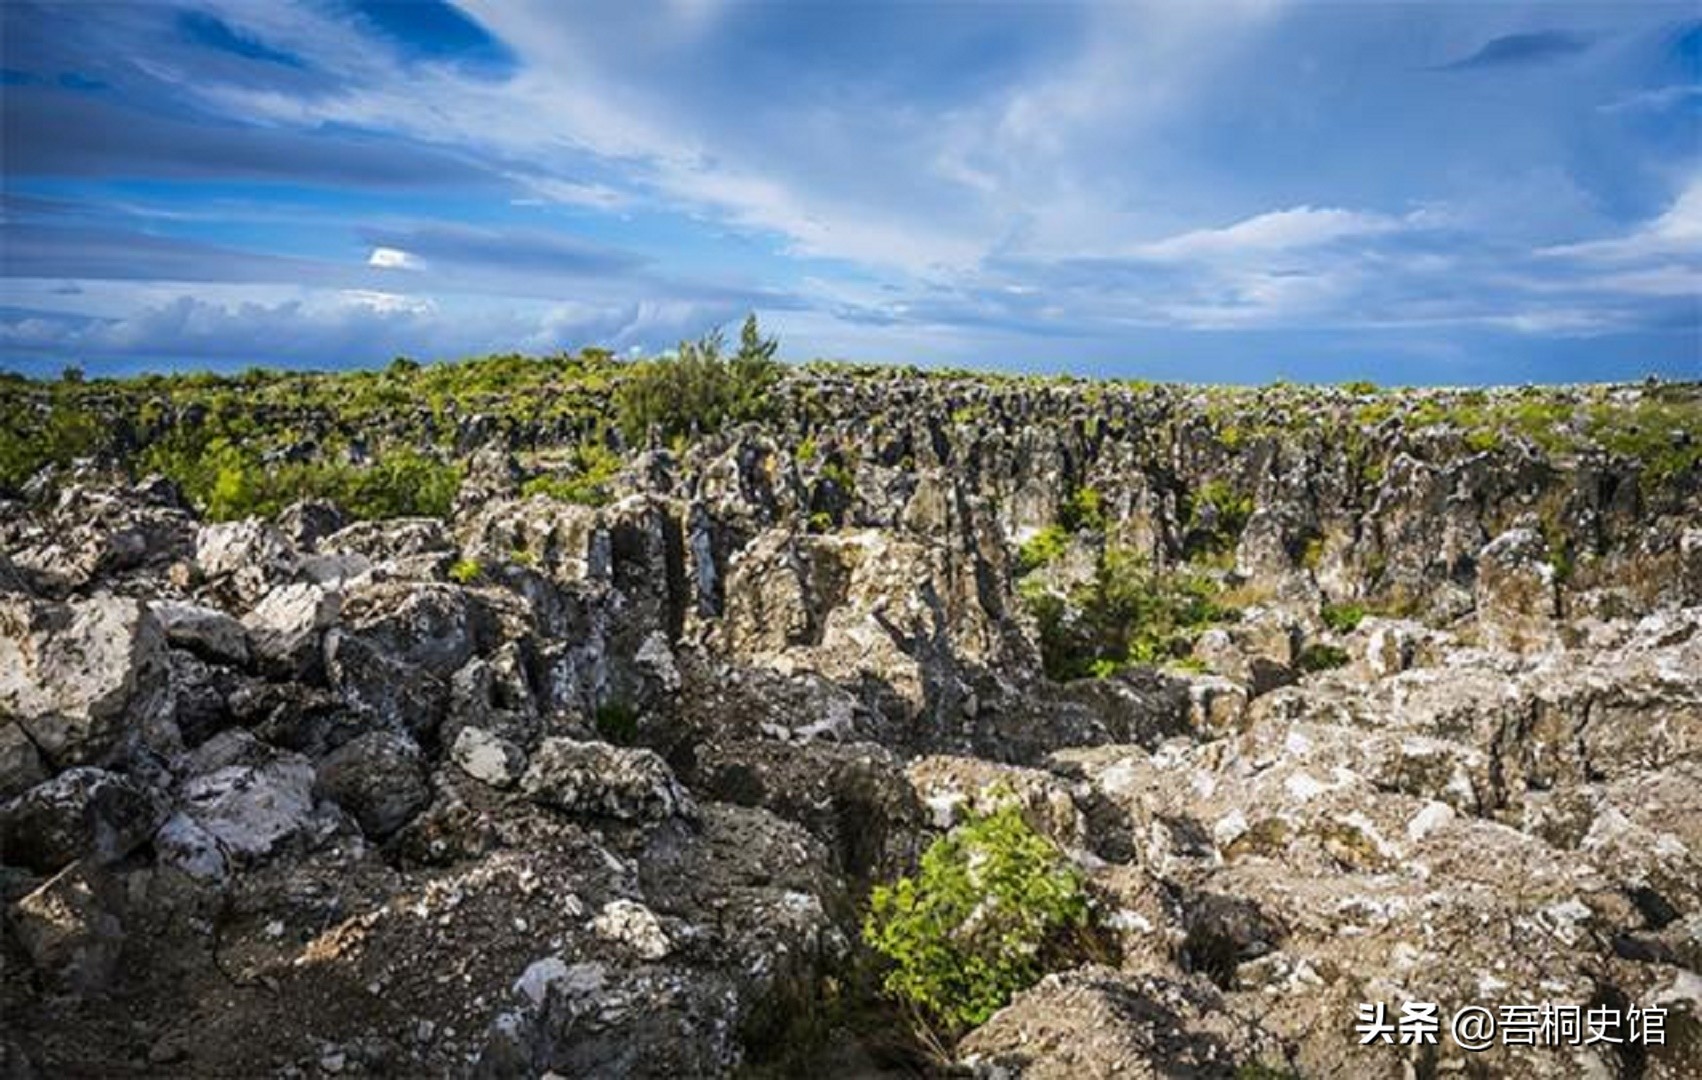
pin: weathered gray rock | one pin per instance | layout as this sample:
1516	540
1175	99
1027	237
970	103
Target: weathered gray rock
593	779
285	629
1098	1022
252	809
207	632
68	929
82	812
185	846
77	676
1517	598
489	758
379	778
243	559
20	763
635	927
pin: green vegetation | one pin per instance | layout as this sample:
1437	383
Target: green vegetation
839	474
1343	618
995	906
698	391
588	484
229	481
1663	431
1317	656
1128	614
56	435
1042	549
617	722
1312	553
1216	516
466	571
1083	511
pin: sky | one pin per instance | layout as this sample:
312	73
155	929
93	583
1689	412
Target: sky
1205	190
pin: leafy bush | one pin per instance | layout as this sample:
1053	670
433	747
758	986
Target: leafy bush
699	391
1042	549
1083	510
840	476
995	906
594	469
229	481
1128	614
617	722
1342	618
466	571
1312	553
30	440
1217	515
1317	656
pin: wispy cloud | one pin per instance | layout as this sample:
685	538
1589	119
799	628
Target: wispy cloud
1677	231
1125	178
1519	50
1275	231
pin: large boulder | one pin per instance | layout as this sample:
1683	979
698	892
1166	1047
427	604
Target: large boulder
76	676
286	627
243	559
593	779
68	928
81	812
252	800
207	632
1518	600
20	761
379	778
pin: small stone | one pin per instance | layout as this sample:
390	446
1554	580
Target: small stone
487	757
635	926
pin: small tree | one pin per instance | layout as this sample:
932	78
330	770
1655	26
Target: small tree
995	907
698	391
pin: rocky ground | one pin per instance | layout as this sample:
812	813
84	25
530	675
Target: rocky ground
601	791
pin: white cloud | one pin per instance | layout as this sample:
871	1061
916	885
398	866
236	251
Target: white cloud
1664	97
386	303
1277	231
1675	232
389	258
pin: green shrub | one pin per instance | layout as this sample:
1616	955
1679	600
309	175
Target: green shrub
698	391
230	481
1128	614
1317	656
591	481
1042	549
1083	510
617	722
994	907
1342	618
31	439
1312	553
466	571
840	476
1217	515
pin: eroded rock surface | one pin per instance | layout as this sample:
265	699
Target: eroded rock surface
548	789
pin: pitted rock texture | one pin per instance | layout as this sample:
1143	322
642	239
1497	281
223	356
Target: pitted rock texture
549	789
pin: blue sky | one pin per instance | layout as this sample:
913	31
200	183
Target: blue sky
1222	190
